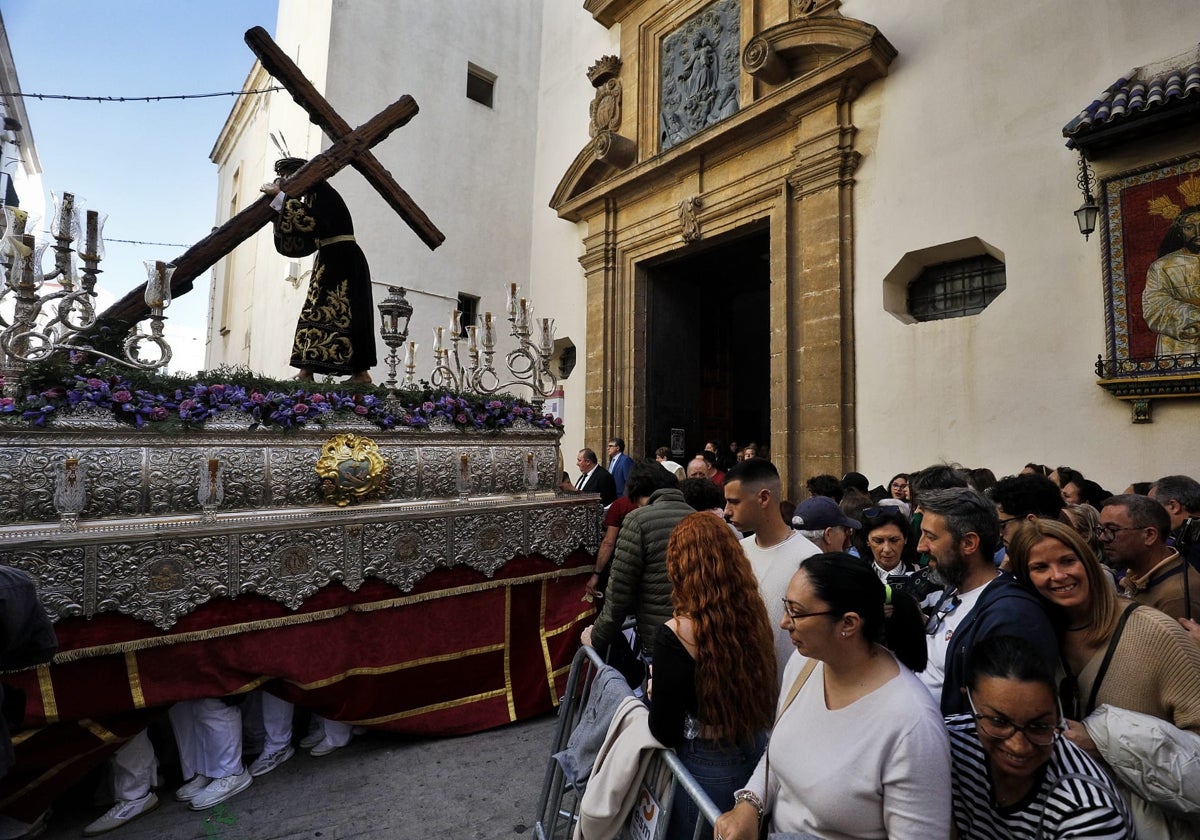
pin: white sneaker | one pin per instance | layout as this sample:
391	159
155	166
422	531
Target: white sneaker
324	747
121	813
188	792
14	829
267	762
219	790
314	737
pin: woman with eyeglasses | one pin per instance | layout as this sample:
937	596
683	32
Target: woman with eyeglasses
1117	656
859	749
1013	776
898	487
714	665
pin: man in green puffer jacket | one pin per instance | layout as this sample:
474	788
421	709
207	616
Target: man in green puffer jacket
639	584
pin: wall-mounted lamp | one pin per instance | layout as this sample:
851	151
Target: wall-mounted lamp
1089	211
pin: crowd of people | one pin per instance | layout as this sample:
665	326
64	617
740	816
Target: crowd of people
952	655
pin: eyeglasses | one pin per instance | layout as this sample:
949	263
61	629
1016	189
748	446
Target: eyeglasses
898	485
796	615
947	605
1110	531
1004	522
1001	728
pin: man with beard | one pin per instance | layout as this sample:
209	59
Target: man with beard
960	531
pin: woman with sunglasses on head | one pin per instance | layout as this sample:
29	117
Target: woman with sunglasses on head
1013	775
859	749
714	684
1118	656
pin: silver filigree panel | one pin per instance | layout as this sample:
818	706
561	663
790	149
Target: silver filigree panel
161	580
289	566
557	530
404	551
59	576
700	63
293	476
487	540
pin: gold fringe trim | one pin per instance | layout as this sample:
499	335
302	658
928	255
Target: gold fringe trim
435	707
546	649
508	689
135	680
106	738
46	686
306	618
400	666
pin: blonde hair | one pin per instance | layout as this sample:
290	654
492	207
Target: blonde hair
1104	609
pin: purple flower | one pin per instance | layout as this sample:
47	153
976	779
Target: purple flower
158	413
257	398
216	390
300	408
427	407
460	418
122	396
95	383
361	409
187	405
317	398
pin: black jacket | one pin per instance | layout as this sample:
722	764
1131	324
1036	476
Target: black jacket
601	481
1006	608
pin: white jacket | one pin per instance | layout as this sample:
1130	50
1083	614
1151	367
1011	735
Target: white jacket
1156	762
620	765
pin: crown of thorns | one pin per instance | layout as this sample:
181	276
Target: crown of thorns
1168	209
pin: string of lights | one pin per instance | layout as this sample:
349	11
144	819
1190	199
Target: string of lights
73	98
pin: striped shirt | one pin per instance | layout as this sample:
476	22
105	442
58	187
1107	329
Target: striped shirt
1075	798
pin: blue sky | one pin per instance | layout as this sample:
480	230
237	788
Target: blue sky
145	164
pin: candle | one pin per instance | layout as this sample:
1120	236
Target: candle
489	333
464	467
523	318
410	354
455	324
512	301
213	466
93	232
529	460
437	339
473	338
66	215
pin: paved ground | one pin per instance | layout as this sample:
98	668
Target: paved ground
380	786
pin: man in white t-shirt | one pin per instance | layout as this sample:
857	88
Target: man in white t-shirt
775	550
960	531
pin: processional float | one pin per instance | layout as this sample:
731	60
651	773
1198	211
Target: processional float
330	565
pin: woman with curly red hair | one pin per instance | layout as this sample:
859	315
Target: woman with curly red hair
714	689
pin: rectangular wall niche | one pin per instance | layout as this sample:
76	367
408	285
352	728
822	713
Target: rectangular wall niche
699	69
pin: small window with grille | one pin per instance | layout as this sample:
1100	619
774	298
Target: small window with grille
956	289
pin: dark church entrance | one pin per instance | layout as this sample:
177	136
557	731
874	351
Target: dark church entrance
708	344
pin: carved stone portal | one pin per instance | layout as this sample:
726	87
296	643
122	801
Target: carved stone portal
699	67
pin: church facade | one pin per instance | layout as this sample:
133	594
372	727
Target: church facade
846	229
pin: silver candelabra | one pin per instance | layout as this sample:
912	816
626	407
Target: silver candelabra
35	324
528	364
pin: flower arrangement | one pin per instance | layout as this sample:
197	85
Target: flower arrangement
281	405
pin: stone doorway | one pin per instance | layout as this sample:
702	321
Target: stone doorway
708	368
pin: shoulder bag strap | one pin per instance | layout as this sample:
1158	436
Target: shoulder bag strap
1108	655
801	679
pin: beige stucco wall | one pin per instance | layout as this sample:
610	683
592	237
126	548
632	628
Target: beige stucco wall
963	138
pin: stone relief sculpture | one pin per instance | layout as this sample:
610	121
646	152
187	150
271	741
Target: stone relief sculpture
605	110
699	73
688	220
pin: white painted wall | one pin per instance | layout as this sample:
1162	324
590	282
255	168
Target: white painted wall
469	167
964	138
571	42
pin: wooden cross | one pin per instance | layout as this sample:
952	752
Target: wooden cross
350	148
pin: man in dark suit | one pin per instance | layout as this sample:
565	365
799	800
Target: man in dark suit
593	478
619	464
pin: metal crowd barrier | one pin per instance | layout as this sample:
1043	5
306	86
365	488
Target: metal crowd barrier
666	778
